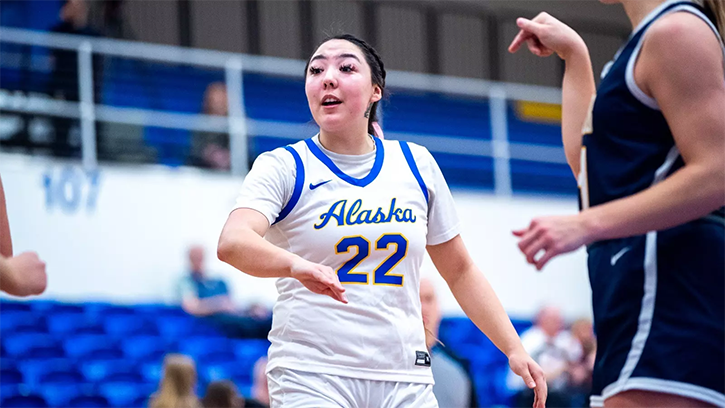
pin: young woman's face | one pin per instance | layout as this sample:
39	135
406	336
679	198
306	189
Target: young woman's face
338	86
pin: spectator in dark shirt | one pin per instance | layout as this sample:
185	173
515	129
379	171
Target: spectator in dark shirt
64	83
211	149
209	298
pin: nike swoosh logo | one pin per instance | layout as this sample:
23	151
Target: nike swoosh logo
314	186
619	254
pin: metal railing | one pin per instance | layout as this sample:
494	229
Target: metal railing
239	126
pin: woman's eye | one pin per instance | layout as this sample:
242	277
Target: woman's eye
314	70
347	68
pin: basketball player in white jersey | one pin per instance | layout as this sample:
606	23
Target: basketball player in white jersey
348	217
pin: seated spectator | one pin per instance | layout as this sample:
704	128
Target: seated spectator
554	349
210	299
177	384
224	394
211	149
453	388
260	389
63	82
580	371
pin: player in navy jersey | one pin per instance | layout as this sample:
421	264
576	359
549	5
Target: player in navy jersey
650	161
348	218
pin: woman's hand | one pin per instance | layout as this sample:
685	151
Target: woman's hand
525	367
319	279
555	235
545	35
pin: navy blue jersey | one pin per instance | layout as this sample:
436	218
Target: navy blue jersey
630	146
657	298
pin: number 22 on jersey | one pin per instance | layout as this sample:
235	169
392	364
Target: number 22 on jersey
397	244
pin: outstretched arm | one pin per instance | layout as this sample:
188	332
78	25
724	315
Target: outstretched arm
545	35
693	106
481	305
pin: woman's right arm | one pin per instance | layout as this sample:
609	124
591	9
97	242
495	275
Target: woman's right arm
242	246
545	35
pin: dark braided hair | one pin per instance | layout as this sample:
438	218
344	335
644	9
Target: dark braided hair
377	70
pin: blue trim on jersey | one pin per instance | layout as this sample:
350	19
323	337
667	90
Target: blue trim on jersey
299	184
413	167
362	182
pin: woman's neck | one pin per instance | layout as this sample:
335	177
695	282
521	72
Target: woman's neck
352	144
637	10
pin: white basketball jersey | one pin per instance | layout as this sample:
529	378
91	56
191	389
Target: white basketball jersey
373	231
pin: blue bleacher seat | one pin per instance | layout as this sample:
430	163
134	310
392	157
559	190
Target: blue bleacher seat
175	327
98	370
121	325
141	347
127	376
59	394
11	319
214	357
10	376
21	343
10	389
224	371
12	306
69	375
123	394
141	402
34	369
152	371
197	347
65	323
51	306
88	401
22	401
85	344
107	353
59	387
158	310
102	309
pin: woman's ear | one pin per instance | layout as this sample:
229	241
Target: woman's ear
377	94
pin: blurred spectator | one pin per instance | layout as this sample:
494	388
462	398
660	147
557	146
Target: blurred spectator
260	388
224	394
64	83
555	350
201	295
211	149
210	299
177	384
114	24
580	372
453	388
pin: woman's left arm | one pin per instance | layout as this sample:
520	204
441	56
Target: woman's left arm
681	66
481	305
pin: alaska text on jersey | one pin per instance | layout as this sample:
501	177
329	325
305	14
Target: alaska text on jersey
353	215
